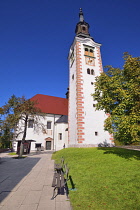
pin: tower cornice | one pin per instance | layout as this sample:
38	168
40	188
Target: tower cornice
87	41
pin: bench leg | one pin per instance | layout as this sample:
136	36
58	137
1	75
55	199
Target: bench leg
54	194
66	189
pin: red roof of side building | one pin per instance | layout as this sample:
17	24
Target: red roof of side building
51	104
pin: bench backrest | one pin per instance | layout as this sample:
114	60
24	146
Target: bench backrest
62	162
66	171
64	167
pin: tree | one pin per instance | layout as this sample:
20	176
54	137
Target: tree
1	113
5	138
19	110
117	93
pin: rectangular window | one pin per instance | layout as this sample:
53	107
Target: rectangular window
73	76
49	124
37	145
96	133
30	123
60	136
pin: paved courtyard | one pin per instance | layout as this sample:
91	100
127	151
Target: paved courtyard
25	184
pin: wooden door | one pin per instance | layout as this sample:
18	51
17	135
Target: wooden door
48	145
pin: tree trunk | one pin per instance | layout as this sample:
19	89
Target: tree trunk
21	149
24	136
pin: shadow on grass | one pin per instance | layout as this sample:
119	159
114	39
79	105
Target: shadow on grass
72	183
124	153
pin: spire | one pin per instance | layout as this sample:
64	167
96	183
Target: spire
81	15
82	28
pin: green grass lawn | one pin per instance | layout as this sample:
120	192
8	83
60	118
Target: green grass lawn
12	153
105	178
17	157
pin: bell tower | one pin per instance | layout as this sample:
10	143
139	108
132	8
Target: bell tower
86	125
82	28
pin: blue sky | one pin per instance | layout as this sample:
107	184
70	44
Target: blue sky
35	37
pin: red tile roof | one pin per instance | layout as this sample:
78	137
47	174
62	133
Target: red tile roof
51	104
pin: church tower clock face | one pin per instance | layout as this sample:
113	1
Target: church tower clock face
89	61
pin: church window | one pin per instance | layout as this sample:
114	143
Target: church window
60	136
73	76
96	133
38	145
30	123
49	123
91	83
92	72
86	51
89	51
88	71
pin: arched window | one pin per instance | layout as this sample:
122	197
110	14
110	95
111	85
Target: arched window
88	71
83	28
92	72
91	52
86	51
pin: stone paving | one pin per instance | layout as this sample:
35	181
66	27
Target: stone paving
25	184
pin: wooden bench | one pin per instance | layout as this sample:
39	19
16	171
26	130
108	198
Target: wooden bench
60	179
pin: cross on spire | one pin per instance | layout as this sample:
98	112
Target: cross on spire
81	15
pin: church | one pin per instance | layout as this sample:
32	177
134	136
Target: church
72	121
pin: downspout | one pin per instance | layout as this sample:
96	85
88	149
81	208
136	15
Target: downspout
53	132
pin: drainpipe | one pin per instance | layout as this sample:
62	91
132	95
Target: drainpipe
53	132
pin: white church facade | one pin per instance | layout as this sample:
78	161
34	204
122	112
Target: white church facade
48	131
74	121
